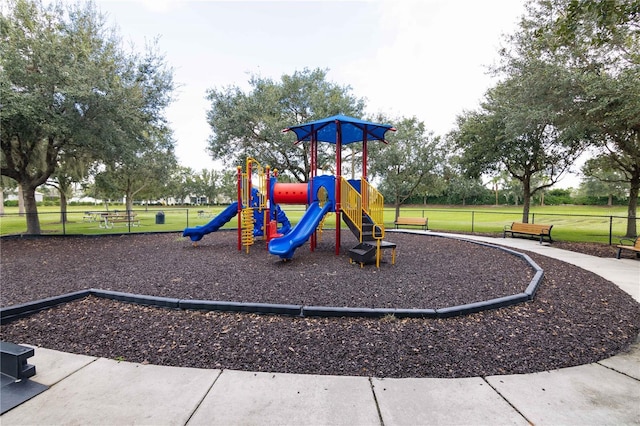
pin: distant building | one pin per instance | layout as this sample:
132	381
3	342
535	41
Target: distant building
13	196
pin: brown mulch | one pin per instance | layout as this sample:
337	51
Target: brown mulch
576	317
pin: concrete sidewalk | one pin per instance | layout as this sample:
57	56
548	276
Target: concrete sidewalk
88	390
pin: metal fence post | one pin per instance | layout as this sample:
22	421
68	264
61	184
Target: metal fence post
610	229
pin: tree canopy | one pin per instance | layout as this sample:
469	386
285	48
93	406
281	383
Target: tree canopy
409	164
598	43
250	124
68	89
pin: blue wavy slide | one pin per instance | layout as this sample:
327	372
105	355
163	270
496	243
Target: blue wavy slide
197	232
286	245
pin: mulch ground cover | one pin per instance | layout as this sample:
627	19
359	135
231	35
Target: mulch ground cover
576	317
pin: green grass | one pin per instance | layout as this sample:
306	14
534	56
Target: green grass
570	223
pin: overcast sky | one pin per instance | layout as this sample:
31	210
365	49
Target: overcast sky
407	58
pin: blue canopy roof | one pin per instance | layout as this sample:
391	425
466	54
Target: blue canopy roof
353	130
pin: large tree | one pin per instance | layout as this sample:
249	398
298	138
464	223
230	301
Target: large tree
409	164
68	88
518	130
250	124
599	43
604	178
142	173
528	123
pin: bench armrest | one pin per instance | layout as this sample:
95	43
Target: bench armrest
627	241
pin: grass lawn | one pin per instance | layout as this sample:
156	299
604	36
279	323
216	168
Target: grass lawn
570	223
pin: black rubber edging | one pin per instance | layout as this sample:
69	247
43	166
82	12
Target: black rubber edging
255	308
138	299
11	313
18	311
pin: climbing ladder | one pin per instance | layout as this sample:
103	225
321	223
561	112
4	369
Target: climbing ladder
249	200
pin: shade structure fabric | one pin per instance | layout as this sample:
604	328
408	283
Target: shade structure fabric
352	130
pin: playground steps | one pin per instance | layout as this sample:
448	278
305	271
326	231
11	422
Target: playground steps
363	253
367	227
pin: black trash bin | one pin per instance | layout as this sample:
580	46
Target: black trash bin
160	218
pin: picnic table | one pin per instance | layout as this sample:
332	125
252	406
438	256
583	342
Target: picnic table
90	216
108	220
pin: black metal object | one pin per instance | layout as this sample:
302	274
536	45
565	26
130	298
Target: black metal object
160	218
14	361
16	387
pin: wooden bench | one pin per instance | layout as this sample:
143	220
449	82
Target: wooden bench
531	229
635	246
412	221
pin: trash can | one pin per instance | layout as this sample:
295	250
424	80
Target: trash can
160	218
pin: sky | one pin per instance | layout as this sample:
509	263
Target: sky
427	59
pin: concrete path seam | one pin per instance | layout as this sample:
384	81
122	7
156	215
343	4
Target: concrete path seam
73	372
617	371
206	394
375	400
507	401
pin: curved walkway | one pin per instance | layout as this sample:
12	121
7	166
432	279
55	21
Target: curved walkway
88	390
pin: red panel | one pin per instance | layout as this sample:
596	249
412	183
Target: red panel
291	193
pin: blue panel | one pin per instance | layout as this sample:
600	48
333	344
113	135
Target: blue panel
353	130
196	233
285	246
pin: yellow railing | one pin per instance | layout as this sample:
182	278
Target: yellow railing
351	204
257	178
369	200
372	203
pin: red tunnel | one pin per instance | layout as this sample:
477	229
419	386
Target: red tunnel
291	193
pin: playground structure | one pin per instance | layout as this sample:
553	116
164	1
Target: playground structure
354	201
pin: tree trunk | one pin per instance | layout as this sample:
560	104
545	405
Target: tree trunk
610	200
21	209
632	231
31	210
129	203
526	200
1	202
63	207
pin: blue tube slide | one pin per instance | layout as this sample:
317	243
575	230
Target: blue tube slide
287	244
196	233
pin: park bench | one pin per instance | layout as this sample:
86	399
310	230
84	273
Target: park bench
412	221
635	246
531	229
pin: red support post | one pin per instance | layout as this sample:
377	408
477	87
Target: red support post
338	182
239	208
313	148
